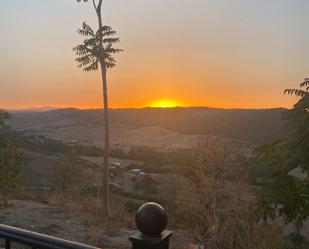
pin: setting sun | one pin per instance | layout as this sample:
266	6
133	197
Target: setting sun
164	103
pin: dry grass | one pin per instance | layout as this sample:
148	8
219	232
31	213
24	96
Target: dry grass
32	195
88	205
84	205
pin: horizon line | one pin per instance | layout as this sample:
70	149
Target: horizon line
50	108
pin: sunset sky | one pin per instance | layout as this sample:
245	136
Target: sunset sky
223	53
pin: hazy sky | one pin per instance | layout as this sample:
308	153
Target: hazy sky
226	53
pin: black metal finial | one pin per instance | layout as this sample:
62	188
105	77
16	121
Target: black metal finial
151	221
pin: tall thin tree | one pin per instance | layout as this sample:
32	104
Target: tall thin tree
97	51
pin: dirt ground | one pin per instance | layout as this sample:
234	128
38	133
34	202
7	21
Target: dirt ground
56	221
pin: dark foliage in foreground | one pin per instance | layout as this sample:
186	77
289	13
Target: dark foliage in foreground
286	181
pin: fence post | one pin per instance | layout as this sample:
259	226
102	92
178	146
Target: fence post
151	221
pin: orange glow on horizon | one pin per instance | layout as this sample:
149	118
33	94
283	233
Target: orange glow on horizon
158	103
164	103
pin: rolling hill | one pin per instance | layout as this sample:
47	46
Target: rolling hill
154	126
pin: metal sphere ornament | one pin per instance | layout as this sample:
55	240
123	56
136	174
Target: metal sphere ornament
151	219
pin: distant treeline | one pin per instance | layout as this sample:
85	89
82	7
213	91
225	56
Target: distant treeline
48	146
153	158
155	161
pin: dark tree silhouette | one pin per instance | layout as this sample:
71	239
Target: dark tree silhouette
285	192
3	115
10	162
97	51
298	118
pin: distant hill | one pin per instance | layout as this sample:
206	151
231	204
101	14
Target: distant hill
33	109
252	125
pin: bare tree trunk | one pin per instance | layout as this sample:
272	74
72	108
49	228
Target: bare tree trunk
105	180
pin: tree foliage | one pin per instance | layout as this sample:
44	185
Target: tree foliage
215	205
91	52
3	116
298	118
10	165
10	161
286	184
68	175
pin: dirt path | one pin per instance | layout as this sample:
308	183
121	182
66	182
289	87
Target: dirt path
54	221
